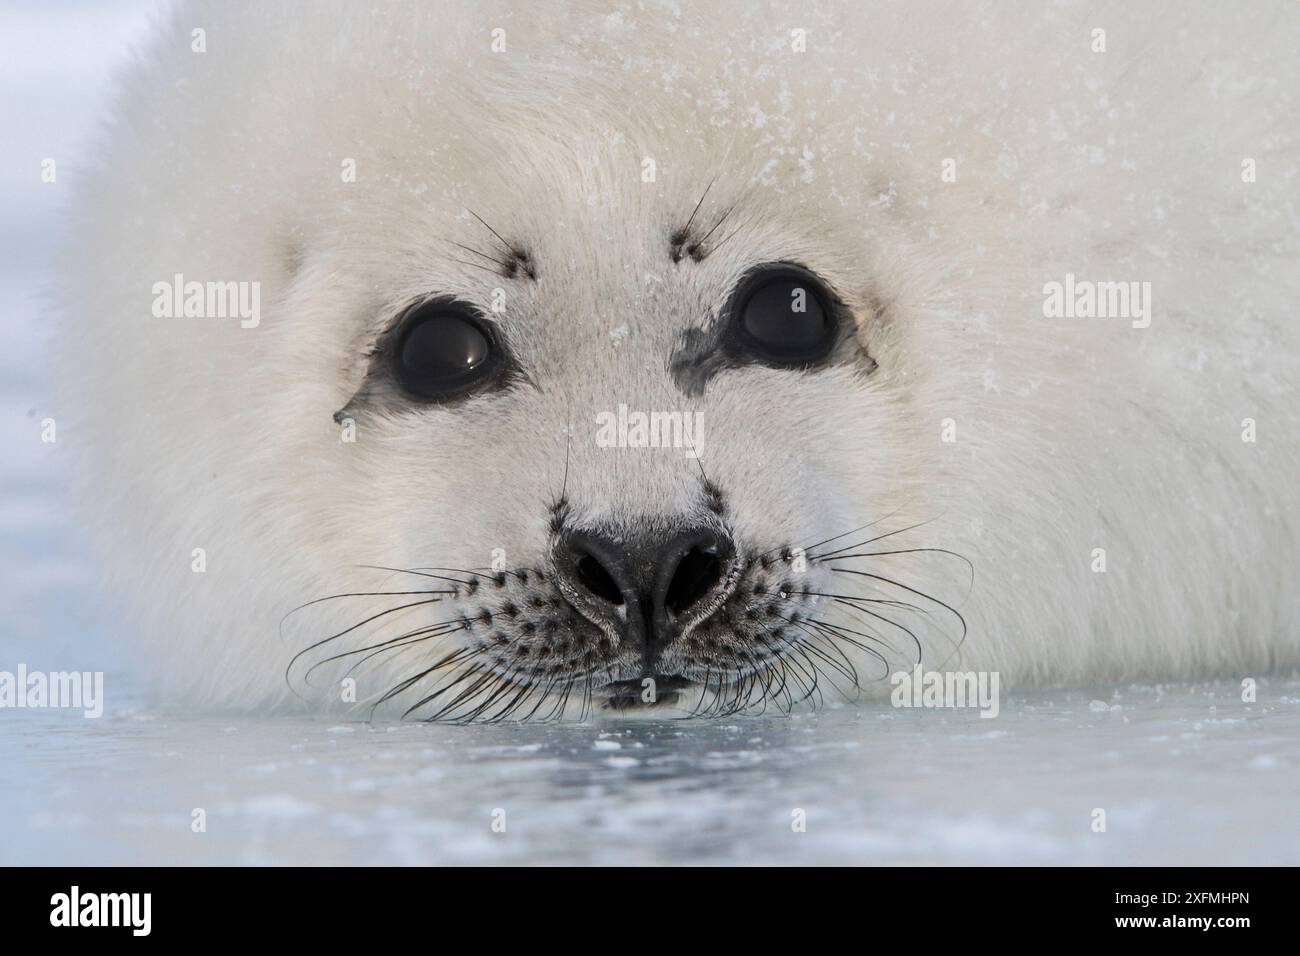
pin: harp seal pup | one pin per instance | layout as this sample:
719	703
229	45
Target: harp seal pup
500	361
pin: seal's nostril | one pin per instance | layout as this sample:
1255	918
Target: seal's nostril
597	580
696	574
644	588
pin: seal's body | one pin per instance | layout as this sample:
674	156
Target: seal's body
594	354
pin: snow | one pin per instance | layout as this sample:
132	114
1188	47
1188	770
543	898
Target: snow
1185	774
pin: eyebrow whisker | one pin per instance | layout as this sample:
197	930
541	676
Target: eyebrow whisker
506	265
721	242
679	237
478	265
714	228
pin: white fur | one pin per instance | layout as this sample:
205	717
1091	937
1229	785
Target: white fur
1071	435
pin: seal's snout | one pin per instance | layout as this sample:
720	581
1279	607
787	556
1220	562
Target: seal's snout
646	590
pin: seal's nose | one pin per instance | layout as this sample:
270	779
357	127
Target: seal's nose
645	589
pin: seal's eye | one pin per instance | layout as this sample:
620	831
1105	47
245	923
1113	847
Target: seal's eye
783	317
444	350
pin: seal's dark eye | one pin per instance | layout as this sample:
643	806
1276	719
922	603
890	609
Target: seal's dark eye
444	350
783	317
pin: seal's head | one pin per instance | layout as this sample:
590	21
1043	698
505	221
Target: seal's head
557	390
514	360
608	401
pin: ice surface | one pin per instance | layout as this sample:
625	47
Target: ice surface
1185	774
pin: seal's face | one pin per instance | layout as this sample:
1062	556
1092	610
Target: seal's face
617	452
552	401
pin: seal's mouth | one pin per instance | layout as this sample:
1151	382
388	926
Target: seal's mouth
648	691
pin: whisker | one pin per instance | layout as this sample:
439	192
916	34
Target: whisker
831	554
696	248
475	265
876	554
847	668
440	691
841	632
409	639
929	597
418	572
374	617
689	222
512	249
348	594
849	598
455	658
503	264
